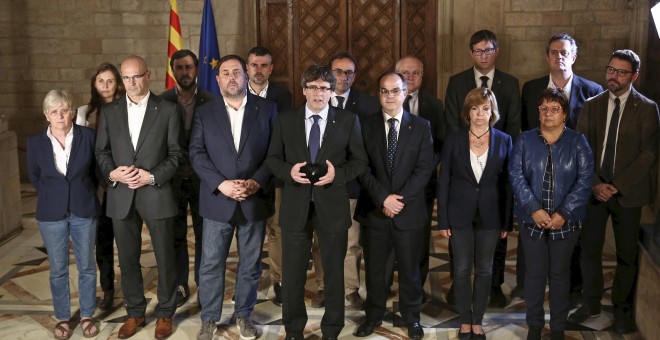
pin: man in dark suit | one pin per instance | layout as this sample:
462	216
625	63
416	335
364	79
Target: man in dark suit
484	50
139	149
422	104
561	53
622	127
260	66
362	104
228	146
186	183
315	135
393	208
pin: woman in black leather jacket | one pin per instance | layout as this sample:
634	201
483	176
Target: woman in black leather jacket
550	170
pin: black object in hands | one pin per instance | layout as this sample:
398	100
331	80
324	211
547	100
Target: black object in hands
314	171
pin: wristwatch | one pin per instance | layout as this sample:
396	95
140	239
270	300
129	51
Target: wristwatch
152	179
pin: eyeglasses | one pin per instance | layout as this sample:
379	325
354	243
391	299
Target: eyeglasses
415	74
552	109
618	71
339	72
135	77
315	88
387	93
563	53
60	112
488	51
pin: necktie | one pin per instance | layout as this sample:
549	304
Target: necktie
391	145
340	102
314	143
406	103
484	81
607	168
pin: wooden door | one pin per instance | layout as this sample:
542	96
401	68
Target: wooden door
376	32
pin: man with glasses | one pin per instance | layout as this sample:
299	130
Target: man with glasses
228	147
139	149
427	106
622	128
184	65
362	104
561	53
316	150
259	68
392	207
484	50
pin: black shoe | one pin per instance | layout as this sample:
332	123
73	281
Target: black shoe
415	331
623	322
582	314
277	288
518	293
366	328
105	302
293	337
464	336
451	297
534	333
557	335
329	338
478	336
182	295
497	298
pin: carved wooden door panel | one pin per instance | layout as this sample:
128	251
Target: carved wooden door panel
376	32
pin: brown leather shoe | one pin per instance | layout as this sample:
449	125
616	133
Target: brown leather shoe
354	300
130	327
318	300
163	328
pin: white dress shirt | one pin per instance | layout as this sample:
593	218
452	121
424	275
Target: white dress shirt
323	122
236	121
136	113
610	109
60	154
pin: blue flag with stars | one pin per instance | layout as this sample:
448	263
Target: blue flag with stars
209	54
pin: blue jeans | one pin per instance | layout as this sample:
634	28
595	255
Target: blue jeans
216	241
55	235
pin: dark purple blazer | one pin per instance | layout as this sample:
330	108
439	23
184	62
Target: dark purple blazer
59	195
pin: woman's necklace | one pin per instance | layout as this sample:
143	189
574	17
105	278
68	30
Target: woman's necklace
478	142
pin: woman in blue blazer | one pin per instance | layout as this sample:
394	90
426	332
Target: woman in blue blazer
474	204
61	168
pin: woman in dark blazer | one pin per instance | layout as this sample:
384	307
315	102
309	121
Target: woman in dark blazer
474	204
61	168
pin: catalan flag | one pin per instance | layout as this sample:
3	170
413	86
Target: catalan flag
209	53
174	43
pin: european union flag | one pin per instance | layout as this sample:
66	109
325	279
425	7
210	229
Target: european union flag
209	53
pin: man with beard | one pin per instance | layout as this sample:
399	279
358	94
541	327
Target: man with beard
186	183
228	146
260	67
621	126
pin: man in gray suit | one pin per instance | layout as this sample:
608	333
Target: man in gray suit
139	148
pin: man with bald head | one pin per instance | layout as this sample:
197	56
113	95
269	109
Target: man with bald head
138	149
427	106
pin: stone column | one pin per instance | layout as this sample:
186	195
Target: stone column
10	190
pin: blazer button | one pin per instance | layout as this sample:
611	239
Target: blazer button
476	189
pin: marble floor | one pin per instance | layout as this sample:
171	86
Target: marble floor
26	310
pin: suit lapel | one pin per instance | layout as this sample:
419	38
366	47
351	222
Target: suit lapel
465	154
405	133
628	119
250	115
75	146
125	130
379	132
298	131
601	124
492	148
222	122
153	108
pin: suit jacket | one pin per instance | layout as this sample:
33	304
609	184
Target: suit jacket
413	166
342	145
215	159
280	96
460	196
506	92
59	195
201	97
636	162
430	108
581	90
159	150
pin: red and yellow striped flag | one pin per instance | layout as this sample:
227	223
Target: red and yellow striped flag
174	43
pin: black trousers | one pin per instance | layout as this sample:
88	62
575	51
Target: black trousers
626	226
186	192
379	242
128	234
296	251
105	254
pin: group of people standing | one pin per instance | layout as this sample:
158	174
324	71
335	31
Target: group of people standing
342	175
